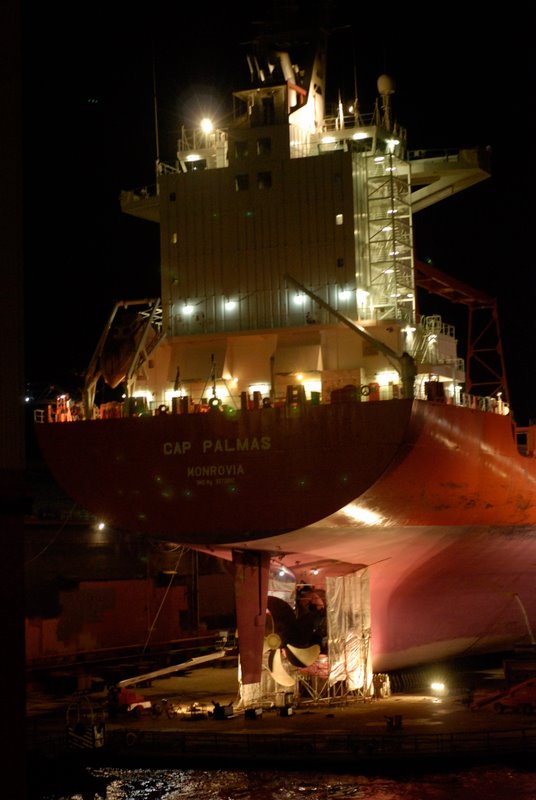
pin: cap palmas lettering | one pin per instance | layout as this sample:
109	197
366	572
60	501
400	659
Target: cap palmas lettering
236	445
248	444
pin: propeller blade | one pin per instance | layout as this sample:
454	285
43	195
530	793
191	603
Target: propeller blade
302	631
304	655
282	614
277	670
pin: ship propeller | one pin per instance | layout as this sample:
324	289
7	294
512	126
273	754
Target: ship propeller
289	636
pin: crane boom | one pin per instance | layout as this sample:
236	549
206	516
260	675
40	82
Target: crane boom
159	673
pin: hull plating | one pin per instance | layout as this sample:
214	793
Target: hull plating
212	478
433	498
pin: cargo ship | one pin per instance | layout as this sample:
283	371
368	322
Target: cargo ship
284	405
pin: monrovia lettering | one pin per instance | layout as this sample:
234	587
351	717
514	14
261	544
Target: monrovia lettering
215	471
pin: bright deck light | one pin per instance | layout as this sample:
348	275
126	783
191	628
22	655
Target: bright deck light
207	125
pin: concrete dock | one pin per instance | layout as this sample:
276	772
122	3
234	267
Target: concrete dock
411	728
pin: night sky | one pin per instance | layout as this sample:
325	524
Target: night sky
464	78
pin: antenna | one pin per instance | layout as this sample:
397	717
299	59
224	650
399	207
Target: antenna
157	137
356	99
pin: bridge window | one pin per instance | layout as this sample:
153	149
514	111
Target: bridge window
242	182
264	180
264	146
241	149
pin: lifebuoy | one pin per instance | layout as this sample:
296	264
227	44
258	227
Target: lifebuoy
162	409
131	738
365	390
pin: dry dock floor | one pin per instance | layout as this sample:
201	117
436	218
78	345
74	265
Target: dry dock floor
403	726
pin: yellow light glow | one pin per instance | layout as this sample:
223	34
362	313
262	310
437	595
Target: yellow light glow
362	514
143	393
171	394
263	388
386	377
312	386
207	125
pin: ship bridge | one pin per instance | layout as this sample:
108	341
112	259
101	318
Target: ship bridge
434	174
292	187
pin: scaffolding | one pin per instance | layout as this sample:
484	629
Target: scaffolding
341	674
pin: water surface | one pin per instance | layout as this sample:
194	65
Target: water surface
499	783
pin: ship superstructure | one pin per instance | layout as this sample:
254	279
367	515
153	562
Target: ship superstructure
289	190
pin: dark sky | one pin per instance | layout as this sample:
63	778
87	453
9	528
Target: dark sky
464	78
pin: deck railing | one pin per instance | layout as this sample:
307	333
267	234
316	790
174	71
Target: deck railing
66	410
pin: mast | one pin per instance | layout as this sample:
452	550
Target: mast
155	111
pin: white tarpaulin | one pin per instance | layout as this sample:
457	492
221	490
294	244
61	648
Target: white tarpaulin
348	614
348	662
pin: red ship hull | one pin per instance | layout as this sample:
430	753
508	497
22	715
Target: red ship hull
212	479
435	499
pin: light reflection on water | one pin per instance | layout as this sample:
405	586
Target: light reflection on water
175	784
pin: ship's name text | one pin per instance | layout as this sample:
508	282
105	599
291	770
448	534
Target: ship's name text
211	446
